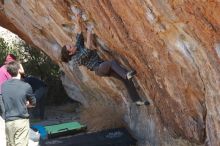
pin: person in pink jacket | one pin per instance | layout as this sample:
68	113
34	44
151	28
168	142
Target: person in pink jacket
4	75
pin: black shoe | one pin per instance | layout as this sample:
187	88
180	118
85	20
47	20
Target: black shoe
131	74
139	103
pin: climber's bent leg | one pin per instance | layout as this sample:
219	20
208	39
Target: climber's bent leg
131	89
103	69
106	67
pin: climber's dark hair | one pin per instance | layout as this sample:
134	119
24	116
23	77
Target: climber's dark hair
65	57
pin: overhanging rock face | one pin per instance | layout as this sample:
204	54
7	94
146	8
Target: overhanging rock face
174	45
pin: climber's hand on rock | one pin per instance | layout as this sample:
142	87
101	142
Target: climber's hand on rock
78	17
90	27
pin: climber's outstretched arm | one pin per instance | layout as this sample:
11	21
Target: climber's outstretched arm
78	24
90	36
88	39
79	32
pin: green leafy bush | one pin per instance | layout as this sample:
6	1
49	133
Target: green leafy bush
5	49
37	63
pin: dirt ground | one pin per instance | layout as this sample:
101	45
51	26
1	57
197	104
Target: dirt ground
59	114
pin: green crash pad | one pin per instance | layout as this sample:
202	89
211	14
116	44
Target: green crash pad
64	129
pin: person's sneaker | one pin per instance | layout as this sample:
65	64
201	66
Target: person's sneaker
131	74
139	103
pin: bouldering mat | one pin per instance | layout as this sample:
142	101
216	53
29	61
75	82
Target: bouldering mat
64	129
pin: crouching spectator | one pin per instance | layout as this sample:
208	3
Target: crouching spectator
40	90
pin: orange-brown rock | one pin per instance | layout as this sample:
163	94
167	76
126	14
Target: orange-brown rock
173	44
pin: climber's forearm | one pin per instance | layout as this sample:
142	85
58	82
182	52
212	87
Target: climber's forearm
78	24
89	38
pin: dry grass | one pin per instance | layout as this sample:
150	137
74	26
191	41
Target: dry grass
99	116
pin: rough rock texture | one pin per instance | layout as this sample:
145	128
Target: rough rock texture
173	44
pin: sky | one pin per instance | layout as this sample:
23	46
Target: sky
8	35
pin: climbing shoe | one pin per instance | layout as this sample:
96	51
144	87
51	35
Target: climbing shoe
131	74
139	103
